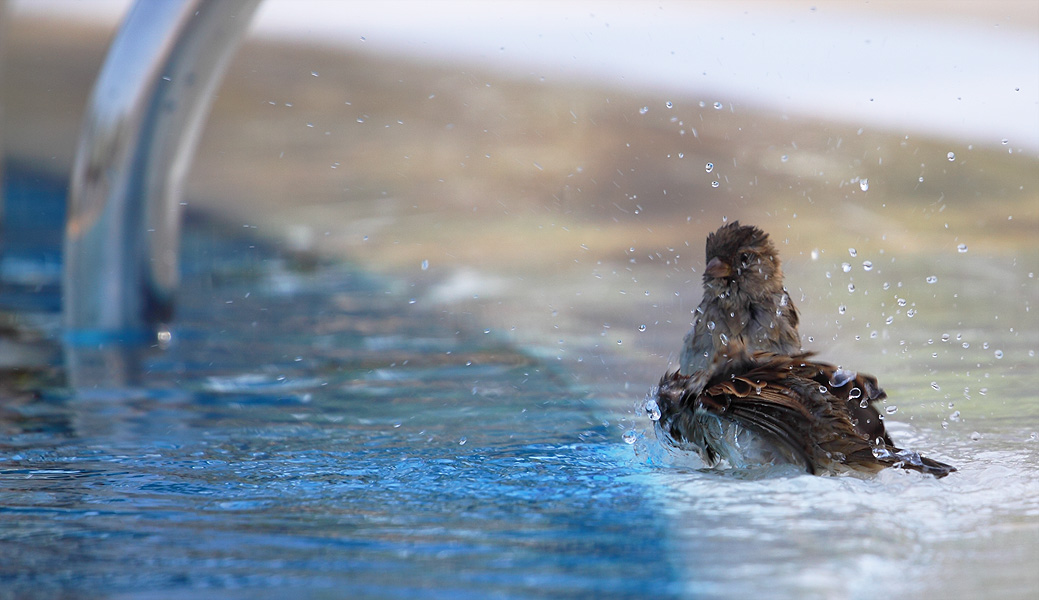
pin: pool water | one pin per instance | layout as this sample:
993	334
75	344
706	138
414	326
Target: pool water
311	429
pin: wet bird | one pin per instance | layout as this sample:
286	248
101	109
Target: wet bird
743	300
745	394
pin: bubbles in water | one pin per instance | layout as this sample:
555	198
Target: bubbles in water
425	265
962	248
709	167
864	184
932	279
630	436
951	156
999	354
853	252
846	267
643	110
867	265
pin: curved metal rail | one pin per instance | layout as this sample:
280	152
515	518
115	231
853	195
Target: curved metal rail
140	131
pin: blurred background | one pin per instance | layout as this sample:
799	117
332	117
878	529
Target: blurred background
571	159
545	174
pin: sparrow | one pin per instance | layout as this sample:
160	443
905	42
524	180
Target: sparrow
743	299
745	393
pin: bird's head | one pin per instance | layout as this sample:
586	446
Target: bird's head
741	258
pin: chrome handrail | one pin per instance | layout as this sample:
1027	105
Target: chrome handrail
140	131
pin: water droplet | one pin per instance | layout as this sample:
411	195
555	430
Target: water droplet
486	330
715	184
975	436
867	265
932	279
717	106
668	104
425	265
463	440
891	410
709	167
901	301
955	416
823	389
710	325
643	110
864	403
999	354
620	342
842	309
853	252
652	409
864	185
724	339
642	327
935	386
784	158
946	337
846	267
951	156
1005	141
841	377
911	313
851	287
962	248
630	437
890	319
854	393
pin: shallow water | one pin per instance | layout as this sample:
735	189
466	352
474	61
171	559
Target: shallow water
314	427
309	428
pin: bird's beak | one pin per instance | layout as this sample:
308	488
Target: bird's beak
718	269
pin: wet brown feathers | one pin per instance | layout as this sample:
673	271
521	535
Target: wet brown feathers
743	377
